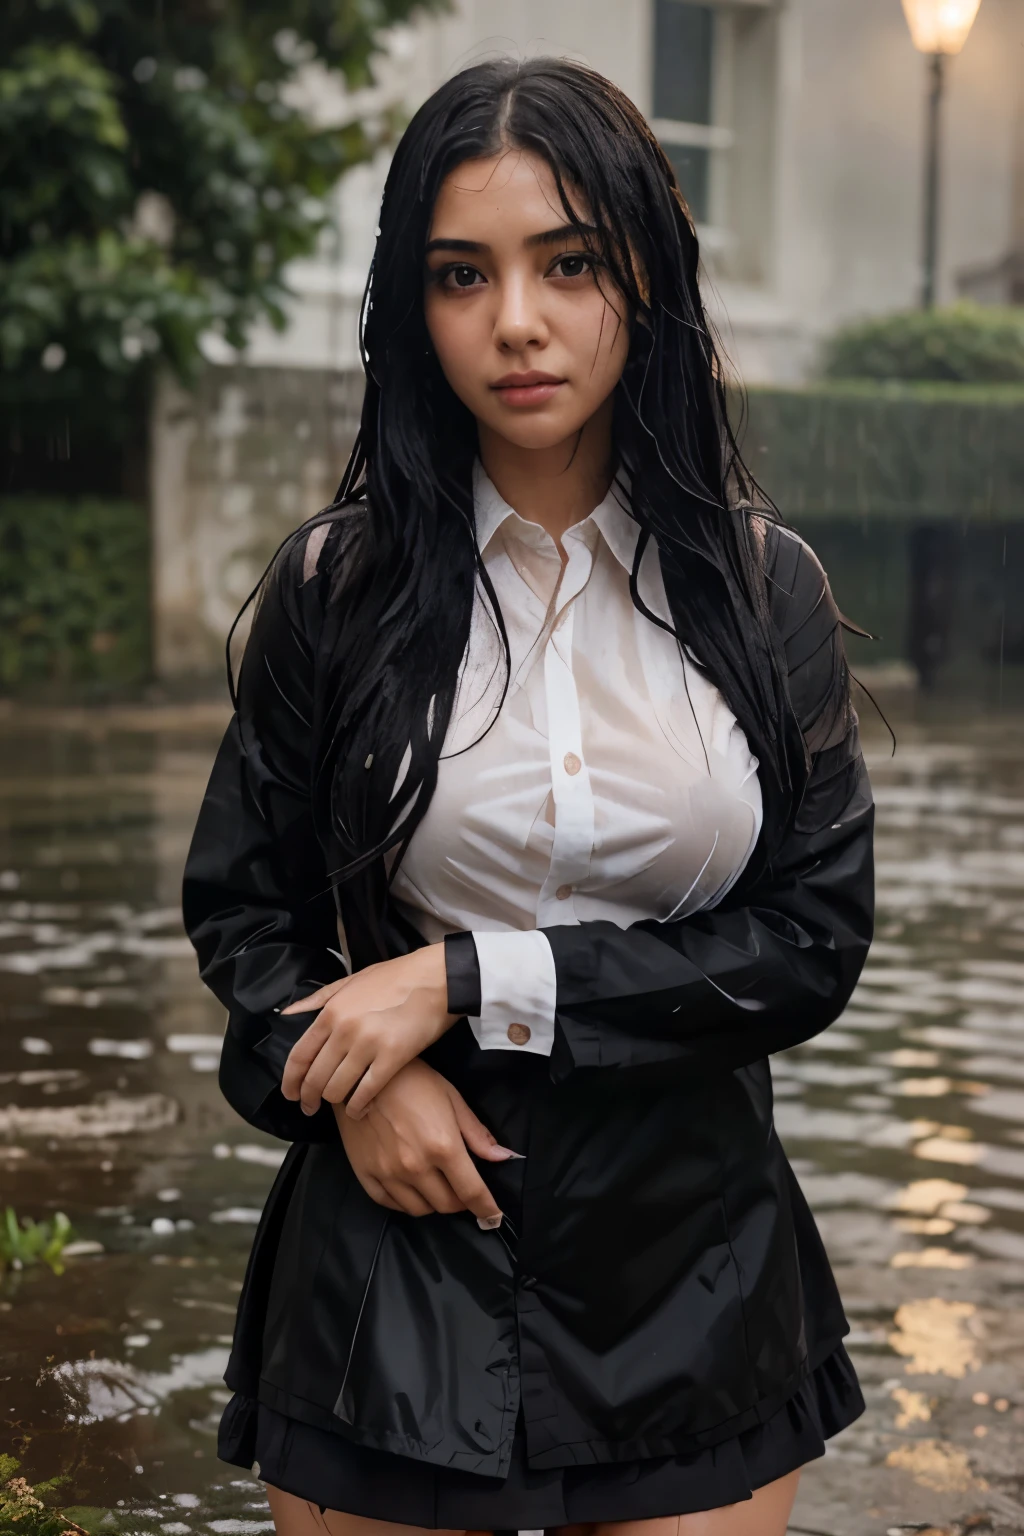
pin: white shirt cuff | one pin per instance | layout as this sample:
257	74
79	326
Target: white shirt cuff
517	992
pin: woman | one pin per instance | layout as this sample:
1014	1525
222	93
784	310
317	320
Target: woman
548	735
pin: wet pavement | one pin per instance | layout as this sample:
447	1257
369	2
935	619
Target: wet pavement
905	1123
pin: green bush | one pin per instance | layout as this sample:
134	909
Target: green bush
74	592
964	344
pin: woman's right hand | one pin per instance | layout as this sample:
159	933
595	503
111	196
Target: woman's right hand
409	1151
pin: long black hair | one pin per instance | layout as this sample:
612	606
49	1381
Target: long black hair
398	621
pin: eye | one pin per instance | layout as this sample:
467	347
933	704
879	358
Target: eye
574	264
460	275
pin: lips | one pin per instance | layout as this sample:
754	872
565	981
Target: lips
526	380
523	389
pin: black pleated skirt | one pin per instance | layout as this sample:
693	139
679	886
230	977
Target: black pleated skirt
327	1470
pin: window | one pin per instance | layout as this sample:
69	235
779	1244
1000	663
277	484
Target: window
684	39
713	110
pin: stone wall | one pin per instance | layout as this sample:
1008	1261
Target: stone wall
235	465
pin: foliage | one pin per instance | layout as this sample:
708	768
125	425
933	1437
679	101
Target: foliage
157	174
74	591
33	1242
966	344
23	1512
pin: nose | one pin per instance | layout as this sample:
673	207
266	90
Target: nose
519	322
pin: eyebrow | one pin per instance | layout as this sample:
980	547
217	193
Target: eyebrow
546	237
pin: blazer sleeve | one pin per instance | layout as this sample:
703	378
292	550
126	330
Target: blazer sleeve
257	901
774	966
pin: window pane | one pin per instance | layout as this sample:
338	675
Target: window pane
691	167
683	37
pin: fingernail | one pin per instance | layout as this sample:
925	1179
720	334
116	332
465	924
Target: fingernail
307	1111
489	1223
507	1152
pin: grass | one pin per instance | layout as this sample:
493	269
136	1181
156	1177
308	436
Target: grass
27	1242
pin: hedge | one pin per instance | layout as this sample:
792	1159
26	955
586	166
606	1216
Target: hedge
917	451
961	344
74	592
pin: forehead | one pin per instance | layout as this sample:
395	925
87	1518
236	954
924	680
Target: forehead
511	193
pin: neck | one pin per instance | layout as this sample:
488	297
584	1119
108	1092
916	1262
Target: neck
555	486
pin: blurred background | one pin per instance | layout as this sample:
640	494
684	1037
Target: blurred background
188	200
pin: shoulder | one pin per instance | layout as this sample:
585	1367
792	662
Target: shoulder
800	601
324	546
809	629
294	599
309	569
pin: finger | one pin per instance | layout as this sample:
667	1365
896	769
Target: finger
475	1134
318	998
458	1169
438	1193
407	1198
302	1055
347	1074
377	1075
376	1191
336	1065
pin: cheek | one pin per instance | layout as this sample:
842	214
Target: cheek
600	340
455	338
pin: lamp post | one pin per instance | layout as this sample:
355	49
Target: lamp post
939	28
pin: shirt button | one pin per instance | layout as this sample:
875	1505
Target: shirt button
571	763
519	1033
564	892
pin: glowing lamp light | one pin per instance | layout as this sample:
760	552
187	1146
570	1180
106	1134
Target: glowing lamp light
940	26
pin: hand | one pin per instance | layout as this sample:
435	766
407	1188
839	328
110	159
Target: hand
368	1027
409	1151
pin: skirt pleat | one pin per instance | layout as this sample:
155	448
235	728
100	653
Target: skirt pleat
325	1469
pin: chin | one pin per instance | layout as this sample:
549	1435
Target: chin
537	433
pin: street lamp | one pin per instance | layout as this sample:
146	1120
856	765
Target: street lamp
939	28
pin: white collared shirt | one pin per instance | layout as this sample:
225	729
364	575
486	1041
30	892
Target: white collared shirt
613	782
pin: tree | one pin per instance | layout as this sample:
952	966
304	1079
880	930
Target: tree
156	178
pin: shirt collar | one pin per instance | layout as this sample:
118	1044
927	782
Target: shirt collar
618	529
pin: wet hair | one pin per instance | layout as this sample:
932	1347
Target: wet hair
399	615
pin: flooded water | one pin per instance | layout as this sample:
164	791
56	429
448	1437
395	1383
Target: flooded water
905	1123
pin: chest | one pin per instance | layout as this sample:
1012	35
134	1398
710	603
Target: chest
598	773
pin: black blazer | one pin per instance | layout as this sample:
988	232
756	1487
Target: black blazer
646	1293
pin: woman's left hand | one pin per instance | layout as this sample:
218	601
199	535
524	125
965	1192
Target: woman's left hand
368	1027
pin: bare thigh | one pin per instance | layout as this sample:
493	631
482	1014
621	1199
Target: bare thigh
766	1514
295	1517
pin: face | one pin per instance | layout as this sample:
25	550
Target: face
528	328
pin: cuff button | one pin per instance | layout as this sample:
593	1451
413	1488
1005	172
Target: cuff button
519	1033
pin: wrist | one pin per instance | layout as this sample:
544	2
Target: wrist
432	976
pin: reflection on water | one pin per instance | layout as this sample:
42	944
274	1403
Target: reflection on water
905	1123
